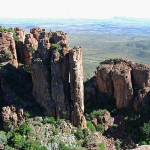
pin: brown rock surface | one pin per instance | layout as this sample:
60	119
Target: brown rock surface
8	49
30	46
10	117
123	92
20	33
36	32
106	120
50	74
76	85
128	82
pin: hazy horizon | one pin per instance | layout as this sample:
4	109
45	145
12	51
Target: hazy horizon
66	9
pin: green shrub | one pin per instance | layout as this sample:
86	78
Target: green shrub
24	129
17	140
145	141
26	114
59	121
100	128
33	145
9	148
37	118
49	120
146	129
91	126
7	56
3	138
145	134
63	146
85	132
101	146
55	47
79	134
117	144
97	113
55	131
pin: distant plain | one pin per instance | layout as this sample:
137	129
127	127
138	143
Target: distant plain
99	39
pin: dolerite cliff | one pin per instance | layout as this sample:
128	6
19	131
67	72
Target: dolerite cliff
57	75
126	81
56	70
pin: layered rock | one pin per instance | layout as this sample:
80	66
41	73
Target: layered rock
128	82
20	33
8	49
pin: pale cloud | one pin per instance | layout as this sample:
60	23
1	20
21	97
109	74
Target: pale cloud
74	8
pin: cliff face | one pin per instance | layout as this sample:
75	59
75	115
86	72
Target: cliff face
57	76
128	82
20	33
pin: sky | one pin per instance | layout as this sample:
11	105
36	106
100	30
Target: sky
94	9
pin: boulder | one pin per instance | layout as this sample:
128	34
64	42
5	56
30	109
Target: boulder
11	118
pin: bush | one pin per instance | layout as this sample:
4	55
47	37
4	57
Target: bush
91	126
33	145
63	146
49	120
146	129
7	56
24	129
59	121
3	138
96	114
85	132
37	118
117	144
100	128
55	47
101	146
26	114
145	132
17	140
79	134
8	148
55	131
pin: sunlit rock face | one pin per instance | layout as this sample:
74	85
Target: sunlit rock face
126	81
57	75
8	49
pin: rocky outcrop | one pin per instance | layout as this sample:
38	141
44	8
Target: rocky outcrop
11	117
127	81
59	37
8	49
106	120
20	33
57	76
30	46
36	32
76	85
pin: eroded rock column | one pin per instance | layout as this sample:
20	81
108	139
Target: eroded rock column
76	86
